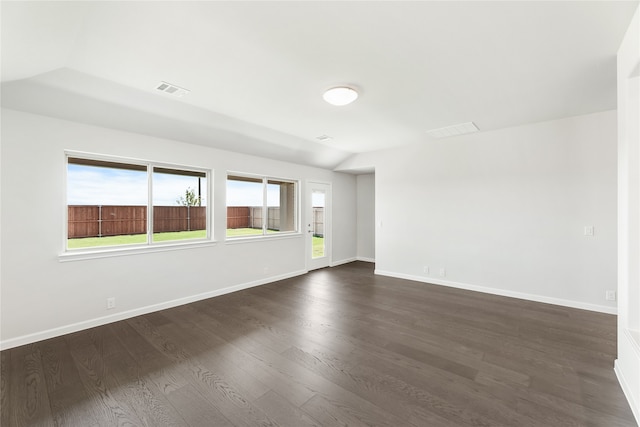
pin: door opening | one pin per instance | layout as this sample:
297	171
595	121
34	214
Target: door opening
318	225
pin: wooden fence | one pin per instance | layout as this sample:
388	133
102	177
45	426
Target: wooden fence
318	222
179	218
238	216
251	217
98	221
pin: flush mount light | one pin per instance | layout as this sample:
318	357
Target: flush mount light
340	95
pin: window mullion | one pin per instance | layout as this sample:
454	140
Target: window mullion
150	204
265	208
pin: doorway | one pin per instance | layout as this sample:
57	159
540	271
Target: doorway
318	215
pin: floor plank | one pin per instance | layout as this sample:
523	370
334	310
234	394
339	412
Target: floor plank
29	399
66	391
336	347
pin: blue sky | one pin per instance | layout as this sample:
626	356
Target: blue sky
317	199
90	185
241	193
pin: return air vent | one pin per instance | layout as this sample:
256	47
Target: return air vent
173	90
324	138
453	130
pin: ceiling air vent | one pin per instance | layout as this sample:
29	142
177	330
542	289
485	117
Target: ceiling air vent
324	138
453	130
172	89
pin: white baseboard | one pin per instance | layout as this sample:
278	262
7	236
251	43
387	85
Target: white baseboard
99	321
343	261
366	259
626	389
503	292
627	369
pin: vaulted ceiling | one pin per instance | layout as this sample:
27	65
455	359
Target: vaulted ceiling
256	71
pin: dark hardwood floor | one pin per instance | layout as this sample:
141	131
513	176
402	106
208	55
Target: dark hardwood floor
336	347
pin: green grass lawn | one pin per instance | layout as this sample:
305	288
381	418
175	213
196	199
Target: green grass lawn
91	242
318	247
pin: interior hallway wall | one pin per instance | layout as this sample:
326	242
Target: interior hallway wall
366	217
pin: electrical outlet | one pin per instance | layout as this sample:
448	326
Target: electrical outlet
425	269
588	230
111	303
443	272
610	295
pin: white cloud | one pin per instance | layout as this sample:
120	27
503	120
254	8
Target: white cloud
88	185
168	188
240	193
100	186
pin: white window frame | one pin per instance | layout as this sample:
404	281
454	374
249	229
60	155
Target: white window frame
280	234
150	246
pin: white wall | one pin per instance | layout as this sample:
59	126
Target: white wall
628	362
504	211
42	297
366	217
343	219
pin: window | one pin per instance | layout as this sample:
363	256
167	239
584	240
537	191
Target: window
184	216
258	206
116	203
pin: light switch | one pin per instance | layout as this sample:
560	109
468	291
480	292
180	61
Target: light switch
588	230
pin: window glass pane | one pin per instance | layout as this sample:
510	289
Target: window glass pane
179	204
281	206
245	201
318	218
106	203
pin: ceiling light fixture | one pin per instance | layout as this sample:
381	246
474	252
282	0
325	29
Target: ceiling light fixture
340	95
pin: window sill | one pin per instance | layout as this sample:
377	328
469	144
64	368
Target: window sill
262	237
79	254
